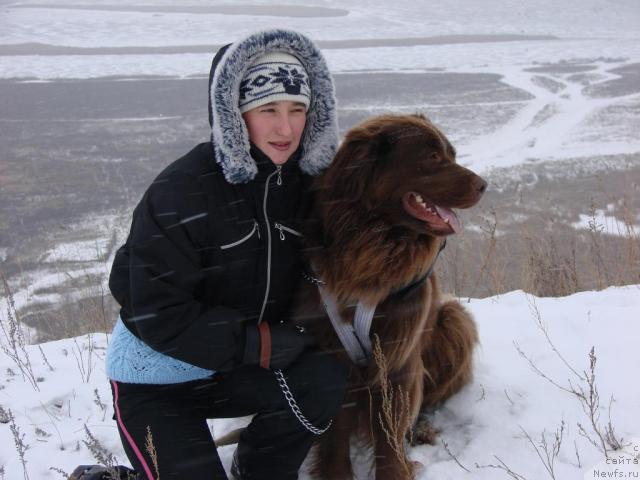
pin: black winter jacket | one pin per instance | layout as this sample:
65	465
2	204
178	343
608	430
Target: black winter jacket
205	256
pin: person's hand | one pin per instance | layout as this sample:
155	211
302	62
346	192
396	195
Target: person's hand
275	346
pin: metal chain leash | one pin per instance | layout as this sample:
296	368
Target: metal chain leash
311	279
294	406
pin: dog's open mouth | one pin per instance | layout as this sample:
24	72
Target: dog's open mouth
440	219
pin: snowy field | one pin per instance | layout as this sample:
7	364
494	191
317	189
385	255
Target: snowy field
500	419
551	50
515	85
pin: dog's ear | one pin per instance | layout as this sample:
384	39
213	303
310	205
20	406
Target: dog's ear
354	166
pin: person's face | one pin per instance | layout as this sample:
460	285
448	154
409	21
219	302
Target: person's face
276	128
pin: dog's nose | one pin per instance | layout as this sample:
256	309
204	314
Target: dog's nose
480	185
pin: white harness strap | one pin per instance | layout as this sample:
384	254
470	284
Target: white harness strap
362	322
354	338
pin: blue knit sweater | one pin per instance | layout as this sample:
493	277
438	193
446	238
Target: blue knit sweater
130	360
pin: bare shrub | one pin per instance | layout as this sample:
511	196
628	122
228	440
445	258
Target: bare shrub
151	450
548	452
101	454
546	272
584	388
504	467
83	354
19	443
391	415
13	341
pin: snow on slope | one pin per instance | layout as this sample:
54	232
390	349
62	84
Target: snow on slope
483	425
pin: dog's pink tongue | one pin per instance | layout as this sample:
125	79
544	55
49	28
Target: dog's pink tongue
448	216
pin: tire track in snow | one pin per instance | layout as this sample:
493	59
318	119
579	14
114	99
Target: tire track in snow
545	123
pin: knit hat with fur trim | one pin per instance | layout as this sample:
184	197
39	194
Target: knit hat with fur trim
273	77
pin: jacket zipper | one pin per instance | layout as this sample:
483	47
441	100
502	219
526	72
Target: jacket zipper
243	239
283	229
278	171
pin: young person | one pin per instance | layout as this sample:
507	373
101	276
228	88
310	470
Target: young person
207	275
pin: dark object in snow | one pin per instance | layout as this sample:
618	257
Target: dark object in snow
98	472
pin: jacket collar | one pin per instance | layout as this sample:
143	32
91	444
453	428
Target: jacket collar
266	167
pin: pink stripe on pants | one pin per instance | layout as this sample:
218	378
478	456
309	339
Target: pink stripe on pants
134	447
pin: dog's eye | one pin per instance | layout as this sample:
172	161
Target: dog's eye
429	160
435	158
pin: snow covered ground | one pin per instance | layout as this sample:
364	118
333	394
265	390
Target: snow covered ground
488	423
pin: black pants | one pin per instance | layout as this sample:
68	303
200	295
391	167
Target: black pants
274	445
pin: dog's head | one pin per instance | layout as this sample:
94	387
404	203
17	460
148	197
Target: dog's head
400	169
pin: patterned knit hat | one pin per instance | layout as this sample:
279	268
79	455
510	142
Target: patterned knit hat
271	77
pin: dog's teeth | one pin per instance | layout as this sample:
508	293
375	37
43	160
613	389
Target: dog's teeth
419	199
446	220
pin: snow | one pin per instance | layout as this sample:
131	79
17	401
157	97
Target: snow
466	57
488	420
29	291
599	221
84	249
515	40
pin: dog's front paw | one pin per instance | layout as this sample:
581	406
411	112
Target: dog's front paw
423	433
417	467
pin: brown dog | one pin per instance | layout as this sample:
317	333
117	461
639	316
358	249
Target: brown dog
381	214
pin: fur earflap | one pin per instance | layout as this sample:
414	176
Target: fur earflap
228	131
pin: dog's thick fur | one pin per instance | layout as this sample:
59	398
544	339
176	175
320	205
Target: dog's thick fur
366	242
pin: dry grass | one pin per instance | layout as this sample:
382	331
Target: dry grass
546	258
391	416
13	342
151	450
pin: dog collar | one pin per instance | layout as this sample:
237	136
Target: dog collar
404	292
